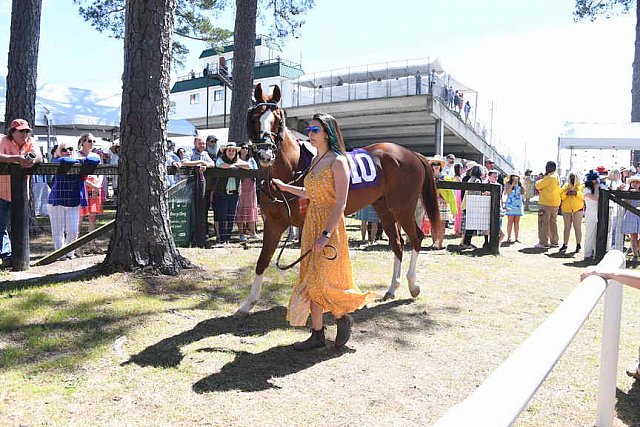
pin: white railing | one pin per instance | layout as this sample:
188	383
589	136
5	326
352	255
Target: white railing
500	399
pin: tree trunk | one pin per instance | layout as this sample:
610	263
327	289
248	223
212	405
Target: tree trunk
23	61
142	237
635	82
244	37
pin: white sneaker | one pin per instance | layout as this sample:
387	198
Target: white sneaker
243	238
255	236
541	246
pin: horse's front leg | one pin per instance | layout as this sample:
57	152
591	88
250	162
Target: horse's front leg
270	239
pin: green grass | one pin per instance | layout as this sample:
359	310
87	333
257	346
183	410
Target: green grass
185	361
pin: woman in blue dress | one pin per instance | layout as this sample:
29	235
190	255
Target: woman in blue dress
514	205
631	221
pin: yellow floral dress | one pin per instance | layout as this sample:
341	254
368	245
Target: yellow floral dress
326	282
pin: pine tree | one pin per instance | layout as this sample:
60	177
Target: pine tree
142	238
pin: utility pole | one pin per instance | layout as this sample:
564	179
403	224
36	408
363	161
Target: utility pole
491	126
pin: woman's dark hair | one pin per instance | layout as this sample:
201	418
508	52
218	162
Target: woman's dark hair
226	158
457	170
550	167
572	178
249	148
334	135
476	171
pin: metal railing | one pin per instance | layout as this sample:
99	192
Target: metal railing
500	399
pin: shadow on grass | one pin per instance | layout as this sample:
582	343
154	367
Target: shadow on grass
78	275
166	353
533	250
249	371
582	263
472	252
561	255
628	405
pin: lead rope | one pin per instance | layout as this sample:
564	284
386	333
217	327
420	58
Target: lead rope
288	208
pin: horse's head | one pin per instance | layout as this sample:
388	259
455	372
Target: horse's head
265	124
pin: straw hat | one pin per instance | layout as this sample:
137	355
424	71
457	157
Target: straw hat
438	159
514	173
633	178
228	145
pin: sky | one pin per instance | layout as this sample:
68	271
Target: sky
533	68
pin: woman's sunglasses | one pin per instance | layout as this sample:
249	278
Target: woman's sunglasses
66	150
313	129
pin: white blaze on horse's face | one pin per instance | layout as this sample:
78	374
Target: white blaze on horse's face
266	155
266	124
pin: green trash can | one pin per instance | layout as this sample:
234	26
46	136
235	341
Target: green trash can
180	201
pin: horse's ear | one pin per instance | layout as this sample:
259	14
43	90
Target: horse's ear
257	93
276	95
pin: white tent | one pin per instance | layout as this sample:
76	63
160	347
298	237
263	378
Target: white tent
583	146
63	107
620	136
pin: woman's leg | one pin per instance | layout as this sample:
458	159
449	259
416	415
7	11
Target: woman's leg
56	216
316	316
374	232
72	219
567	218
577	226
316	340
516	227
634	244
510	220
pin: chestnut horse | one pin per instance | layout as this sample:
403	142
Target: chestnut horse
405	176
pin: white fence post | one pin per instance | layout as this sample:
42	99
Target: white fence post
499	400
609	354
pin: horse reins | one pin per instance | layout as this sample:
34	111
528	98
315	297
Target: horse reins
287	240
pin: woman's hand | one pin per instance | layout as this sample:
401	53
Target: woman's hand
320	243
277	183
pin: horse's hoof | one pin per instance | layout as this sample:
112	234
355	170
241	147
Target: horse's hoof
415	292
241	314
388	296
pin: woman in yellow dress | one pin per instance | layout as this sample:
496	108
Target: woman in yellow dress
324	284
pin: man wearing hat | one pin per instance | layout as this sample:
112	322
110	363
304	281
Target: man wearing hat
15	147
212	147
448	167
490	164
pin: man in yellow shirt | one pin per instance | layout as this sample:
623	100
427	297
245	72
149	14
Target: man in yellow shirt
548	204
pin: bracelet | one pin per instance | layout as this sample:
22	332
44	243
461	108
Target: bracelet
326	234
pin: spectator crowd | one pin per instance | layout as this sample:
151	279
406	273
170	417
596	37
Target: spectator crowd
573	197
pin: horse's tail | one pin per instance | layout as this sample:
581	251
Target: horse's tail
430	194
